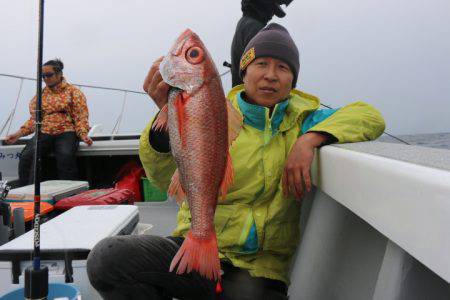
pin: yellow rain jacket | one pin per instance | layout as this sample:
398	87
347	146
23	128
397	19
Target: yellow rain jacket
257	227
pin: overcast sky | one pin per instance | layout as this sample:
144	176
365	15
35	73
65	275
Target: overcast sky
393	54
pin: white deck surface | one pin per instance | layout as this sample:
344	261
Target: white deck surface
79	228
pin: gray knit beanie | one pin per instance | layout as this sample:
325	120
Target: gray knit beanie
273	41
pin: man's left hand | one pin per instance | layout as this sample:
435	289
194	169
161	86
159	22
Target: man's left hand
297	171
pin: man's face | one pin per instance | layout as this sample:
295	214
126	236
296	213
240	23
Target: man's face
267	81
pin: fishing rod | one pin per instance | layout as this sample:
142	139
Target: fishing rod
228	65
36	278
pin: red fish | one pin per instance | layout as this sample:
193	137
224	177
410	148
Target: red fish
202	124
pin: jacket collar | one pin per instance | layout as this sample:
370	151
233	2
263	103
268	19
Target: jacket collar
59	87
258	116
296	108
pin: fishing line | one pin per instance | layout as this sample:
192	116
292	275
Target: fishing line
228	65
224	73
384	132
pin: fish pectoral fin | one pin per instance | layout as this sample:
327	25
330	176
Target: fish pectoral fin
235	121
180	103
175	188
160	122
227	180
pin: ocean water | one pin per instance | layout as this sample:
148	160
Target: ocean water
433	140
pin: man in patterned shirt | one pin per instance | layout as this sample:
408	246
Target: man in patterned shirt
64	122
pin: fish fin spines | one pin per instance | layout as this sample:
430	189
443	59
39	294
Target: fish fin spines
227	177
235	121
198	254
175	188
161	120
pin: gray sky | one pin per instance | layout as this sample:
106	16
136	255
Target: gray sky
394	55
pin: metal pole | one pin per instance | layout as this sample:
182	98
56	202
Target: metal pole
37	156
36	278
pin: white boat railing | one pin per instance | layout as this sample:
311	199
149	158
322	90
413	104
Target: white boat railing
377	226
6	126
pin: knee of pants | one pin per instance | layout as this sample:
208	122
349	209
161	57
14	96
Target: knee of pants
103	259
120	254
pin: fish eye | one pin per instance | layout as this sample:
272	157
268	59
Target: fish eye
194	55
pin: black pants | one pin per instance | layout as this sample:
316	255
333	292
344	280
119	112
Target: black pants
64	147
137	267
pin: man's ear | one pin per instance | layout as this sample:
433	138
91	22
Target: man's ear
243	75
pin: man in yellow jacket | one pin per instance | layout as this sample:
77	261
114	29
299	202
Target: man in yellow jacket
257	226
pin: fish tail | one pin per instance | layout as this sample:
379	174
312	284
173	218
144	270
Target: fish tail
161	120
175	188
198	254
227	178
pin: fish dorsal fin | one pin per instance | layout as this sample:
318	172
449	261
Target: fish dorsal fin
234	127
227	180
235	120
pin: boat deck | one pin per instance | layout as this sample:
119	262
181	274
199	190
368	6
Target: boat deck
162	215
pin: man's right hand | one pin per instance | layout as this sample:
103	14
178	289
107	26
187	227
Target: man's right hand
154	85
12	138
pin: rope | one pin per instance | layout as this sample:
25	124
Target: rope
15	106
79	85
119	119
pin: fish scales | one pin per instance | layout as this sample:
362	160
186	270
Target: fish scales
201	160
197	116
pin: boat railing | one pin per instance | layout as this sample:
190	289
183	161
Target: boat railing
6	124
377	226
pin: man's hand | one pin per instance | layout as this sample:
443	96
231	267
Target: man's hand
154	85
12	138
297	171
87	140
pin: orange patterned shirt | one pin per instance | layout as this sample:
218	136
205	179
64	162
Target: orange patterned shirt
64	109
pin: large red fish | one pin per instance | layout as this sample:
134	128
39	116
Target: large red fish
201	124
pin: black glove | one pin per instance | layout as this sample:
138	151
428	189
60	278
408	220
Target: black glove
264	10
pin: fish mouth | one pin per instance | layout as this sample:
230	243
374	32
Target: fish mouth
164	69
168	75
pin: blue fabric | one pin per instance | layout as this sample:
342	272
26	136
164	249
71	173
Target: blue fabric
316	117
251	244
278	115
255	115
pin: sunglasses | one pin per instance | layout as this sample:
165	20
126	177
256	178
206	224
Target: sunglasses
47	75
